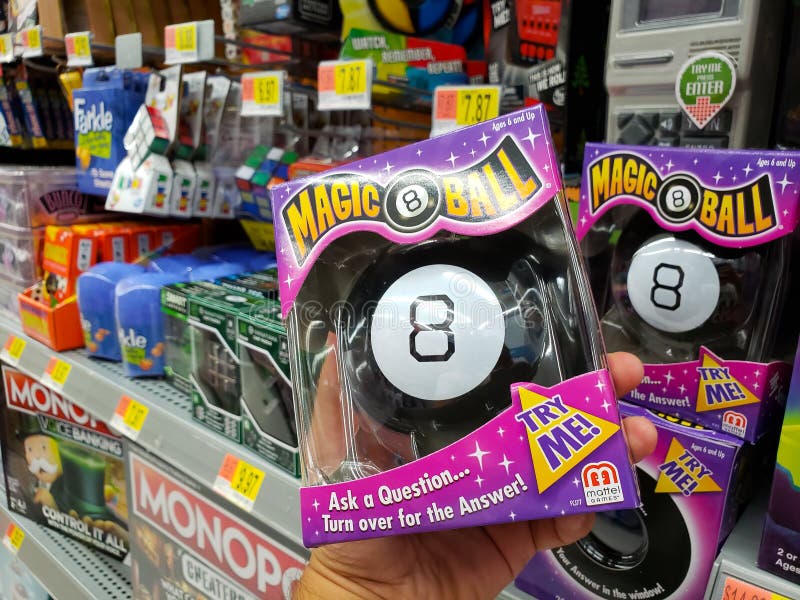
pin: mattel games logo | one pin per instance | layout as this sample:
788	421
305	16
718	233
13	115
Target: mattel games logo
734	422
737	212
601	484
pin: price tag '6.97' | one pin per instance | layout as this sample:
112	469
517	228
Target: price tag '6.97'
239	482
262	94
457	106
345	84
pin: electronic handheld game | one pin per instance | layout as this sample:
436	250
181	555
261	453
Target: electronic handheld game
675	292
535	37
439	331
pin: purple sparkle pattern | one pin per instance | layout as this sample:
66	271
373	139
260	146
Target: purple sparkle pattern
487	477
450	153
708	517
742	398
736	207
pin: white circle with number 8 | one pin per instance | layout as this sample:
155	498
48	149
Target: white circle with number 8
412	200
432	342
679	198
673	284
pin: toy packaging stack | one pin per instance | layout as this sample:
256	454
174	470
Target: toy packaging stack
437	384
780	545
693	487
268	421
63	468
695	248
225	553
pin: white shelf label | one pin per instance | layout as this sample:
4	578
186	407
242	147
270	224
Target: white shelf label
345	84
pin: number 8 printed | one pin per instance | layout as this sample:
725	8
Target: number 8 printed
661	285
444	326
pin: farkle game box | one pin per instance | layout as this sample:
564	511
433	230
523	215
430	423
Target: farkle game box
63	468
187	543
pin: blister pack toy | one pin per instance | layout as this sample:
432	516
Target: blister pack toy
693	487
445	353
690	256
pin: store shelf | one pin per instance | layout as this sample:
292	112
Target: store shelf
67	569
738	560
168	430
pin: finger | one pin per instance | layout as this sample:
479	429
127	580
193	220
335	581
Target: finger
641	435
562	531
627	371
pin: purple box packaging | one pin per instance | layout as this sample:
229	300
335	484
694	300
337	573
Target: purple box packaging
780	545
691	496
503	172
737	201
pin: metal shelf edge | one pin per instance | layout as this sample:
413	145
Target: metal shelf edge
168	431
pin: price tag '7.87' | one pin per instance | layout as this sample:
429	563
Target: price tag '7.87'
262	94
457	106
129	417
79	49
345	84
239	482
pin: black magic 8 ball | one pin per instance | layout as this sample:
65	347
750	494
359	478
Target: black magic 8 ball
437	332
675	292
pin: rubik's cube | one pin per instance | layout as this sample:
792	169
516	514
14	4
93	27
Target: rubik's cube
263	168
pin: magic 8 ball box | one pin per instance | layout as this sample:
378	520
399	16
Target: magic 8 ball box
63	467
689	253
444	346
188	543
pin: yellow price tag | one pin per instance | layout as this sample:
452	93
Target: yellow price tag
13	538
350	77
82	49
34	40
13	349
129	417
265	90
239	481
247	480
735	589
57	372
4	43
186	37
477	105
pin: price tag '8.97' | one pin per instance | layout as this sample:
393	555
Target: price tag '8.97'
345	84
262	94
457	106
239	481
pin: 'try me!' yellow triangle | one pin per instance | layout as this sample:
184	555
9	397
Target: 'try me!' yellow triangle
683	473
718	389
560	436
